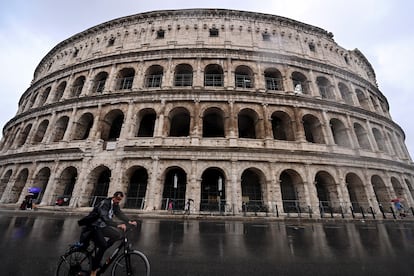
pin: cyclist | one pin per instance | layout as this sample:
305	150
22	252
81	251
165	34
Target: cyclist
105	227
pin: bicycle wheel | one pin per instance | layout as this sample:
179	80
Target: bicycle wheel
139	264
74	263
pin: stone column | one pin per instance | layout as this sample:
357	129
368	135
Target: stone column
71	122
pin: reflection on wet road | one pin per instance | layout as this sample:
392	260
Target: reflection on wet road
30	245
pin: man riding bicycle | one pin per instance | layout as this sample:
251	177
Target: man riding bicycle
105	227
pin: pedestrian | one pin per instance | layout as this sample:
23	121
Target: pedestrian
187	207
170	206
400	208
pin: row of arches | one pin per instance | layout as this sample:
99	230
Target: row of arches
214	75
215	189
215	122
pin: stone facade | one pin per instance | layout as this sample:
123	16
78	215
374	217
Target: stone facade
238	111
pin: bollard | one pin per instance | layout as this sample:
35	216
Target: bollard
393	213
310	211
373	214
362	212
321	211
352	211
331	210
277	211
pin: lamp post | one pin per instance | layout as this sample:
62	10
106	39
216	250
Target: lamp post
220	188
175	189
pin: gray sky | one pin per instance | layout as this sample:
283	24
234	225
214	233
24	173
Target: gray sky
380	29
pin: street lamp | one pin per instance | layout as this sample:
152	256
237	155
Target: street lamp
175	188
220	188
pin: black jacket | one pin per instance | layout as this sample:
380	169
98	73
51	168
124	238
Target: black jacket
103	213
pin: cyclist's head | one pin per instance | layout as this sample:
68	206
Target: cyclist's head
118	196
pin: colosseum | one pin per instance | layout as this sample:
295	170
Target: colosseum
236	112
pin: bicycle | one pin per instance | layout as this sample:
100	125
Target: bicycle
77	260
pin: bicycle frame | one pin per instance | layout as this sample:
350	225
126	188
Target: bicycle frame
124	244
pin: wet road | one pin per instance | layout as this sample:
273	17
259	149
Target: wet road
30	245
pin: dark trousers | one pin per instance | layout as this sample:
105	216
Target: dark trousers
113	234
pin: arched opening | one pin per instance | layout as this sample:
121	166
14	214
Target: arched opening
18	186
362	99
398	188
345	93
362	137
40	182
380	190
65	185
99	181
125	79
83	127
4	181
356	192
183	75
23	135
243	77
77	87
327	193
252	182
325	88
173	196
410	187
282	126
313	129
59	91
300	83
340	133
137	188
153	77
179	122
44	96
213	75
112	125
379	139
213	123
40	133
293	192
99	82
146	122
60	128
213	196
273	79
248	124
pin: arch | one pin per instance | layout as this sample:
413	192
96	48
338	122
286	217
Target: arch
83	127
300	82
40	181
43	96
362	99
273	79
65	184
18	186
325	88
99	82
125	79
213	192
398	188
59	91
183	75
356	191
248	124
410	187
293	191
243	77
379	139
175	183
327	192
179	122
23	135
345	93
362	136
153	76
313	129
213	122
146	122
60	128
213	75
380	190
137	187
111	125
340	133
282	126
32	100
252	185
77	87
4	181
98	184
40	133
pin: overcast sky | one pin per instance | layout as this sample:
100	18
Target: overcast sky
381	29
